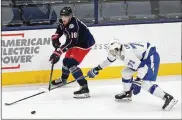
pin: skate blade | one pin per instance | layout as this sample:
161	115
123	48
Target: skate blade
124	100
79	96
171	104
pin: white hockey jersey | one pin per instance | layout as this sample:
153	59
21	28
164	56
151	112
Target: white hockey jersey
132	55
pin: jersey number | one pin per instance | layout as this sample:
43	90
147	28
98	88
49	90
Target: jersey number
74	35
131	63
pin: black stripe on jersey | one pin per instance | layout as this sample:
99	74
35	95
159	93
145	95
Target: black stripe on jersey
111	60
68	34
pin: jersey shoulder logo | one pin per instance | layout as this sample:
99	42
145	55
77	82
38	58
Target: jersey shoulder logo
71	26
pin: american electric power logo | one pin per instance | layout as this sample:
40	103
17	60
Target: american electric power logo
18	48
16	51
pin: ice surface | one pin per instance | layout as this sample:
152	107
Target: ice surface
60	104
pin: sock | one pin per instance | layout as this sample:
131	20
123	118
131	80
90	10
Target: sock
157	91
65	73
127	84
153	89
77	74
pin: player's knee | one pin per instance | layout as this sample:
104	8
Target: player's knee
78	75
126	75
69	62
146	85
65	61
64	68
73	69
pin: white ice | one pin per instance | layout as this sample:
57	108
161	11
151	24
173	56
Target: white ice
60	104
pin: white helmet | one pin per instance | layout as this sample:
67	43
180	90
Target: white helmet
114	47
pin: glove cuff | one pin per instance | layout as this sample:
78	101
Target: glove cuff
98	68
55	37
57	53
137	81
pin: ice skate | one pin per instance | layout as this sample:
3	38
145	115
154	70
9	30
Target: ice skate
124	96
58	82
83	92
169	102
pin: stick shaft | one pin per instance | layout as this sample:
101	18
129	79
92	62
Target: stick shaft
50	80
41	92
25	98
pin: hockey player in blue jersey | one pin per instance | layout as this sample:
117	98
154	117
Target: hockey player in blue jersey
78	43
137	57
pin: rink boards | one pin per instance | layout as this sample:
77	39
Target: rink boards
25	54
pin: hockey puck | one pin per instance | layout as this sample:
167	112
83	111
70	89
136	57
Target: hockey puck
33	112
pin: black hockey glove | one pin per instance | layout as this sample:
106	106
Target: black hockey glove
55	41
94	71
54	58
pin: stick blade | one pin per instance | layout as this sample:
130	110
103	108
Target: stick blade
7	104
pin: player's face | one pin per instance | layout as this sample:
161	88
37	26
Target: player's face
65	19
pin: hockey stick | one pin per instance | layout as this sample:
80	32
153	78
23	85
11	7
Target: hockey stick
49	88
50	80
42	92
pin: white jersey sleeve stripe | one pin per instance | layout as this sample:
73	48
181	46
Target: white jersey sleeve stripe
152	62
147	51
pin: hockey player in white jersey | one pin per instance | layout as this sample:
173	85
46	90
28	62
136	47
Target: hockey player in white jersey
137	57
